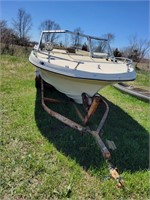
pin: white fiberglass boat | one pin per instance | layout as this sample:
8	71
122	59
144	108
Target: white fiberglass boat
76	63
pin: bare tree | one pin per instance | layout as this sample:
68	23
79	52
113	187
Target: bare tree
22	25
3	25
3	29
76	39
49	25
7	38
110	37
137	49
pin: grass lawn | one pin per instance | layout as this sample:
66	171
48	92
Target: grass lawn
142	77
41	158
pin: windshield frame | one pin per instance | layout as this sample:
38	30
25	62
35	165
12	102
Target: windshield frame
88	37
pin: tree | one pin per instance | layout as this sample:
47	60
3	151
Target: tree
137	49
3	26
7	38
4	32
49	25
22	26
76	40
110	37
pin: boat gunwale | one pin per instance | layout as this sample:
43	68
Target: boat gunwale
113	59
38	65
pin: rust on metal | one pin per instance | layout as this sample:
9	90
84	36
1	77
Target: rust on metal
101	124
87	101
115	175
105	152
52	100
58	116
91	106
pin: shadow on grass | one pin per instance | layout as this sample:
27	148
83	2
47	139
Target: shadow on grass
130	137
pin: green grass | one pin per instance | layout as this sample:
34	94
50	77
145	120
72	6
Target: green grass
142	79
41	158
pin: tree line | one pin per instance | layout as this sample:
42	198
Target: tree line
136	50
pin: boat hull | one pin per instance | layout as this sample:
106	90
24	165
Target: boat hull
73	87
75	78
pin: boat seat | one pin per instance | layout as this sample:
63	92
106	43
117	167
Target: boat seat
59	50
71	50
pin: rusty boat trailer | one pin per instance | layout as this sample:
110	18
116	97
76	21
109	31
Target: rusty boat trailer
90	105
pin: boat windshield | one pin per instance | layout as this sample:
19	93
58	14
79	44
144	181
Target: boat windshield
99	48
74	43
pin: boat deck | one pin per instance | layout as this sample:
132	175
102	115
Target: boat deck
83	62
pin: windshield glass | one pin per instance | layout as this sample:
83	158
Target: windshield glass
66	42
71	43
99	48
